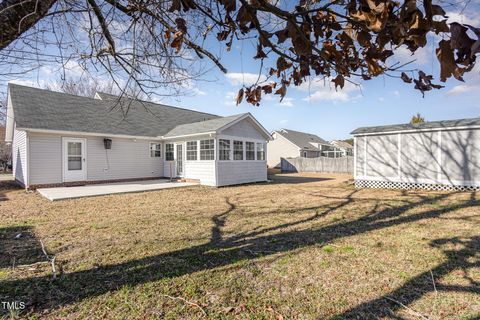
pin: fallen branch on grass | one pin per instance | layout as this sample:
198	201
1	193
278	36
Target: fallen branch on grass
187	302
413	312
51	260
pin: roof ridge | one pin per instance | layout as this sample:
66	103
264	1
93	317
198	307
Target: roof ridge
158	104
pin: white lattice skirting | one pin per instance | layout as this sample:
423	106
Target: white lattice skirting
411	185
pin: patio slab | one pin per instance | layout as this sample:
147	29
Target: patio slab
62	193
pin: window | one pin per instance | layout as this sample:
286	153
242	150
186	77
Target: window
224	149
207	149
237	150
260	151
169	152
250	150
155	150
304	154
192	150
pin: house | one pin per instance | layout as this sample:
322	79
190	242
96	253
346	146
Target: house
343	148
288	143
437	155
61	139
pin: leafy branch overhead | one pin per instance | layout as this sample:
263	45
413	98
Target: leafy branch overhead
339	40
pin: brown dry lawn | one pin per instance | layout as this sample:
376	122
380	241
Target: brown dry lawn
302	247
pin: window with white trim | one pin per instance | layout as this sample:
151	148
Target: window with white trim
249	150
237	150
260	151
192	150
207	149
224	147
169	152
155	150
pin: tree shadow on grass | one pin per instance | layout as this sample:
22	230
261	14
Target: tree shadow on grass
76	286
19	246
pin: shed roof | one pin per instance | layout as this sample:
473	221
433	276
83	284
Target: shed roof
43	109
419	126
302	140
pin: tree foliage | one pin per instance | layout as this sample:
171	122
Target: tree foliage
158	43
416	119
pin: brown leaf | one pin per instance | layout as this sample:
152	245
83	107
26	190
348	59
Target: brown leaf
445	56
339	81
176	6
230	5
239	96
406	78
268	88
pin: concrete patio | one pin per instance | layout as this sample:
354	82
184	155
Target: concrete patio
62	193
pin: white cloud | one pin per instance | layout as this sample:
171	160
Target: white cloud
462	18
230	99
404	55
459	89
396	93
324	90
286	102
238	78
283	121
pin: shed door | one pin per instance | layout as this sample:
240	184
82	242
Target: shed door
74	159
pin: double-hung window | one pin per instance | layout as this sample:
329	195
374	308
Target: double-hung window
224	147
250	150
207	149
155	150
237	150
260	151
192	150
169	151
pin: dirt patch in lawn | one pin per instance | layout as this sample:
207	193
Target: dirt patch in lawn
306	246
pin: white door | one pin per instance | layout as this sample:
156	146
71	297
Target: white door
74	159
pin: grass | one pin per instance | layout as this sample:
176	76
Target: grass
304	247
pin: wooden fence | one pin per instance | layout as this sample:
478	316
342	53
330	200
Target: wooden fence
321	164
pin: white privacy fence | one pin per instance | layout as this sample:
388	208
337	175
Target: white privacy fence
320	164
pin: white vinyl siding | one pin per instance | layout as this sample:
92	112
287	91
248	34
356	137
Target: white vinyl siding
245	129
128	159
201	170
448	157
19	156
279	148
238	172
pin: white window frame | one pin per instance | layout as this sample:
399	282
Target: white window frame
254	155
242	139
189	151
243	150
173	151
230	158
212	149
257	151
155	143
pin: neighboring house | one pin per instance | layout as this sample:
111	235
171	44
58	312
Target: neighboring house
343	148
62	139
288	143
436	155
5	151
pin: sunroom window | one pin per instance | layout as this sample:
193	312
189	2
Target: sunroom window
192	150
224	149
207	149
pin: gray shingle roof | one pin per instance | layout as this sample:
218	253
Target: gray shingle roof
42	109
419	126
202	127
302	140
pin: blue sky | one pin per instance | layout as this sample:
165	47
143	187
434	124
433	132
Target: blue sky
316	107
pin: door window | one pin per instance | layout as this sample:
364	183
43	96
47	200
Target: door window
74	156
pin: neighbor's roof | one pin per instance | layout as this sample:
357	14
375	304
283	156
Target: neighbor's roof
341	144
203	126
301	139
419	126
42	109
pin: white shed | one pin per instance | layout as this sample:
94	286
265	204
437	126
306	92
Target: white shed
440	155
